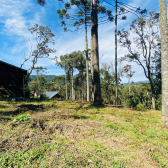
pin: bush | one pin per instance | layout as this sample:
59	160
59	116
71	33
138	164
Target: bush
141	107
21	118
159	103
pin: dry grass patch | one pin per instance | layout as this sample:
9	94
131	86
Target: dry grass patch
77	134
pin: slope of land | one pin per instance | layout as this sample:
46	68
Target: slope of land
77	134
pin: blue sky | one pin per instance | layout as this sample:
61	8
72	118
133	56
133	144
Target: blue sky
16	16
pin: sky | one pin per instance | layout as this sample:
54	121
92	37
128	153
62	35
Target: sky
16	16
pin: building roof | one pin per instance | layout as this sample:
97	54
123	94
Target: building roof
51	94
13	66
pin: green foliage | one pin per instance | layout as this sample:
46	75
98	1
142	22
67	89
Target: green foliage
140	107
19	159
41	80
21	118
43	36
83	14
159	102
112	126
41	2
146	33
140	94
48	78
107	83
125	98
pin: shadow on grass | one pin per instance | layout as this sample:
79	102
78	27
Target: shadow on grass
2	106
92	106
23	108
79	117
4	118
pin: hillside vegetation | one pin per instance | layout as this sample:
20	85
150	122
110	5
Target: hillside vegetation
77	134
48	78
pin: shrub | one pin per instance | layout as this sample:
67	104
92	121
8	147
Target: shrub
140	107
21	118
159	103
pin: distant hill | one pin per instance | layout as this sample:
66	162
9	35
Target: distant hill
137	82
48	78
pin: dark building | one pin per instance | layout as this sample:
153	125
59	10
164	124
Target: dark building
12	80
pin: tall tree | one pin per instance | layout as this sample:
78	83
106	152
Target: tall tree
94	51
146	38
96	89
39	69
81	67
81	19
63	63
121	9
164	58
43	36
116	16
71	62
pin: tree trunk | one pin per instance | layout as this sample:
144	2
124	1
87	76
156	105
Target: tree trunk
66	86
129	84
82	92
87	62
153	93
72	87
95	55
92	95
116	79
164	59
92	88
37	82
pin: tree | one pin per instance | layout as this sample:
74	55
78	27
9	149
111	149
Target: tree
38	69
107	83
43	36
70	62
38	84
81	19
81	67
121	9
41	2
96	89
157	72
129	74
146	38
59	85
63	63
164	58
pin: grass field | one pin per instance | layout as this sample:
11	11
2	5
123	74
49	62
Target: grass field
77	134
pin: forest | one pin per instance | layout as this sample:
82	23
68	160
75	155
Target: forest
103	85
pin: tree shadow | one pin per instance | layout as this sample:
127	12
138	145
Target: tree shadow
23	108
79	116
115	106
2	106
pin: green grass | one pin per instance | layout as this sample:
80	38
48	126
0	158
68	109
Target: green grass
78	134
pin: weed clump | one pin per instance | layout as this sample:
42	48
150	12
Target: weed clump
21	118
